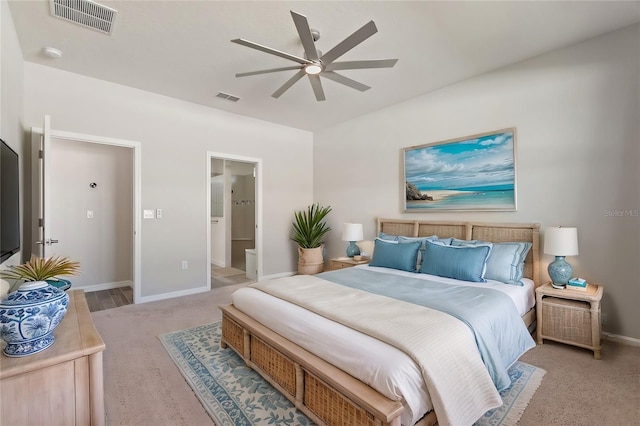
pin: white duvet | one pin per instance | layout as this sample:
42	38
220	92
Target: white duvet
382	366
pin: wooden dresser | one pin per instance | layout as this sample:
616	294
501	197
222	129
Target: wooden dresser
62	385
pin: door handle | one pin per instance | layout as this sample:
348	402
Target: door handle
48	242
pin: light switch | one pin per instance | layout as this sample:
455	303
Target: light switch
89	214
148	214
158	213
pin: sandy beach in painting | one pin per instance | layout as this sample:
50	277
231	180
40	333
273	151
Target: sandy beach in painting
456	200
439	195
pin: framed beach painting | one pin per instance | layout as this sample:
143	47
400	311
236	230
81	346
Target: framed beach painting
475	172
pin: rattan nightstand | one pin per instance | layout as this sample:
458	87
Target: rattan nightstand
345	262
570	316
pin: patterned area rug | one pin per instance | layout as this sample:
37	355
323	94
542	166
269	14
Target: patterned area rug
233	395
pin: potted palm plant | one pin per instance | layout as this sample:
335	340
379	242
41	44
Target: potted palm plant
29	315
309	230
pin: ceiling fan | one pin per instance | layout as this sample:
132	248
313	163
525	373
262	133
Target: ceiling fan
315	64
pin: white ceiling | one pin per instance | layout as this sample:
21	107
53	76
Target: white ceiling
182	48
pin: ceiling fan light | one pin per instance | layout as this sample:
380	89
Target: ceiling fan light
313	69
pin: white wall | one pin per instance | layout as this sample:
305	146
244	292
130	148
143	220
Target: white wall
11	103
577	117
102	244
175	137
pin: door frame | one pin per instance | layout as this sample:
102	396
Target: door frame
258	189
137	185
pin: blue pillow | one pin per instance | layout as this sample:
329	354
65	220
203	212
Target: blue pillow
388	237
457	242
434	238
391	254
444	241
467	263
506	262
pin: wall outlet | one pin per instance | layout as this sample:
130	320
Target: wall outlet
185	264
89	214
603	317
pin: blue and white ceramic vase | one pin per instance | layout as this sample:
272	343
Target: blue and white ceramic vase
28	317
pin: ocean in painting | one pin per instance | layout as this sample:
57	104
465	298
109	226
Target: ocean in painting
466	199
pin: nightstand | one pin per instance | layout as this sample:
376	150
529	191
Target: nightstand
570	316
345	262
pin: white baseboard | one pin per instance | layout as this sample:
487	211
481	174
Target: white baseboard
104	286
631	341
217	263
163	296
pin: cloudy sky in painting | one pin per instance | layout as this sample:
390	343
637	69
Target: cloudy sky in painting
483	162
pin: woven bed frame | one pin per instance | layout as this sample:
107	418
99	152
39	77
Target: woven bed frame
326	394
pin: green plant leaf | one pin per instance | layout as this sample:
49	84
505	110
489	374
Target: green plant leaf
309	228
41	269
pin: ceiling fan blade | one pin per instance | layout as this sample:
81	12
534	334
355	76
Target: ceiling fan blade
246	74
317	87
293	80
354	65
302	25
366	31
266	49
338	78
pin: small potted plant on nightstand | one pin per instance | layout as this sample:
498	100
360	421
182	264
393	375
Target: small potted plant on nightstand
29	315
309	230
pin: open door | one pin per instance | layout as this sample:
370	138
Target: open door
42	245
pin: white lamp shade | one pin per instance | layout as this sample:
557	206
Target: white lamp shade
561	241
352	232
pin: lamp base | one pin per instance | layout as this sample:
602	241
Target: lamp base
353	249
560	272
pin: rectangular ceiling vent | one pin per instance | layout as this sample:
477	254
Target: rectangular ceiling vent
227	96
86	13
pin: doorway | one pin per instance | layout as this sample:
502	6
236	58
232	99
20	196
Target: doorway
93	186
234	212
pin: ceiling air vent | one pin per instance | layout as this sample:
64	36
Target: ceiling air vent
86	13
227	96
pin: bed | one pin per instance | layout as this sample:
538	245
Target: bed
319	370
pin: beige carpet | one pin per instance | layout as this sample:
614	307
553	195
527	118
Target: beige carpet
143	386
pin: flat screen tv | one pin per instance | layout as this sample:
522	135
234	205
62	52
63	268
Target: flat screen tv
9	202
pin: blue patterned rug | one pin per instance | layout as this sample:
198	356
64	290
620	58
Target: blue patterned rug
233	395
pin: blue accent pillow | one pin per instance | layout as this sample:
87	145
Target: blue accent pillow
466	263
457	242
388	237
444	241
391	254
434	238
506	262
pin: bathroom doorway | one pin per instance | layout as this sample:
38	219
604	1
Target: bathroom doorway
234	212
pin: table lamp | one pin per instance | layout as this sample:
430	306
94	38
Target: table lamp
352	232
560	241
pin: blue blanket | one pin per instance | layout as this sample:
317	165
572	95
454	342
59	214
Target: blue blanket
499	331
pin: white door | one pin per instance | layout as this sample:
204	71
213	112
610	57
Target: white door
43	244
48	241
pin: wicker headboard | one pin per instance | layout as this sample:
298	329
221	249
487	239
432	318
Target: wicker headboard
492	232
